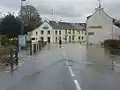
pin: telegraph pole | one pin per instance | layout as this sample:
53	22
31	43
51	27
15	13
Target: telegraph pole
53	30
52	14
112	30
87	37
22	25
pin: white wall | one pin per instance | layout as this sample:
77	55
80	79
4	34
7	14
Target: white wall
116	32
53	34
45	35
76	35
100	34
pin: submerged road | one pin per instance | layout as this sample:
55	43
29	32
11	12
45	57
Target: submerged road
71	67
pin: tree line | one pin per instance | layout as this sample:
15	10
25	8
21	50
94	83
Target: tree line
10	25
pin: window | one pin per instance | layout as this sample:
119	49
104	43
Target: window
65	31
42	32
36	33
56	39
73	37
59	32
48	32
65	37
79	37
33	38
90	33
82	37
56	32
69	31
82	32
42	39
60	38
48	39
73	31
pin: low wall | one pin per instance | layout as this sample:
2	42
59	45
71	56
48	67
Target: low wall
115	44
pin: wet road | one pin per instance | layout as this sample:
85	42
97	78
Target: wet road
72	67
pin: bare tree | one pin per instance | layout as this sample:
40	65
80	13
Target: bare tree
30	17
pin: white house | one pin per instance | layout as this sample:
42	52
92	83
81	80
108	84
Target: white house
52	32
100	27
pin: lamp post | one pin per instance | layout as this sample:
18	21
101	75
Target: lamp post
87	37
22	27
20	37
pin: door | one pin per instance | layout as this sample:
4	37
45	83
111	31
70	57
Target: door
48	39
42	39
69	39
34	48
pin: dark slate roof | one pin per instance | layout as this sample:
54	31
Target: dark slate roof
66	25
79	26
89	16
54	25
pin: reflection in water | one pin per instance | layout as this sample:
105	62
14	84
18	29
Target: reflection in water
48	46
100	58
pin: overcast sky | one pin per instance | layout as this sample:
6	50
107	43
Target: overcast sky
65	10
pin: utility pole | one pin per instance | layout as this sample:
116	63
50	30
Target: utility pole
22	27
87	35
112	31
53	30
52	14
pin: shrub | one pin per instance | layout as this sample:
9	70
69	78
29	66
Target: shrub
4	40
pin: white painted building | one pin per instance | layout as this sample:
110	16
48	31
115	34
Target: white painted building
100	27
54	31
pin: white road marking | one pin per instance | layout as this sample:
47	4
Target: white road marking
71	72
77	84
67	63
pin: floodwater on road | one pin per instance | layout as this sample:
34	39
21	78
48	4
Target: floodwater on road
93	67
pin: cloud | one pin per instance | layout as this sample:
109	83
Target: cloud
112	8
12	4
71	9
63	11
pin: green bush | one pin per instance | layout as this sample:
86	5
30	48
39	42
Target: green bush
4	40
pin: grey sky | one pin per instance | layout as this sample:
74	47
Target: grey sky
67	10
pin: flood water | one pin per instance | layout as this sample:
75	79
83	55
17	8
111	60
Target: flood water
93	66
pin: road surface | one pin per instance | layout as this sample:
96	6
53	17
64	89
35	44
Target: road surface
71	67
